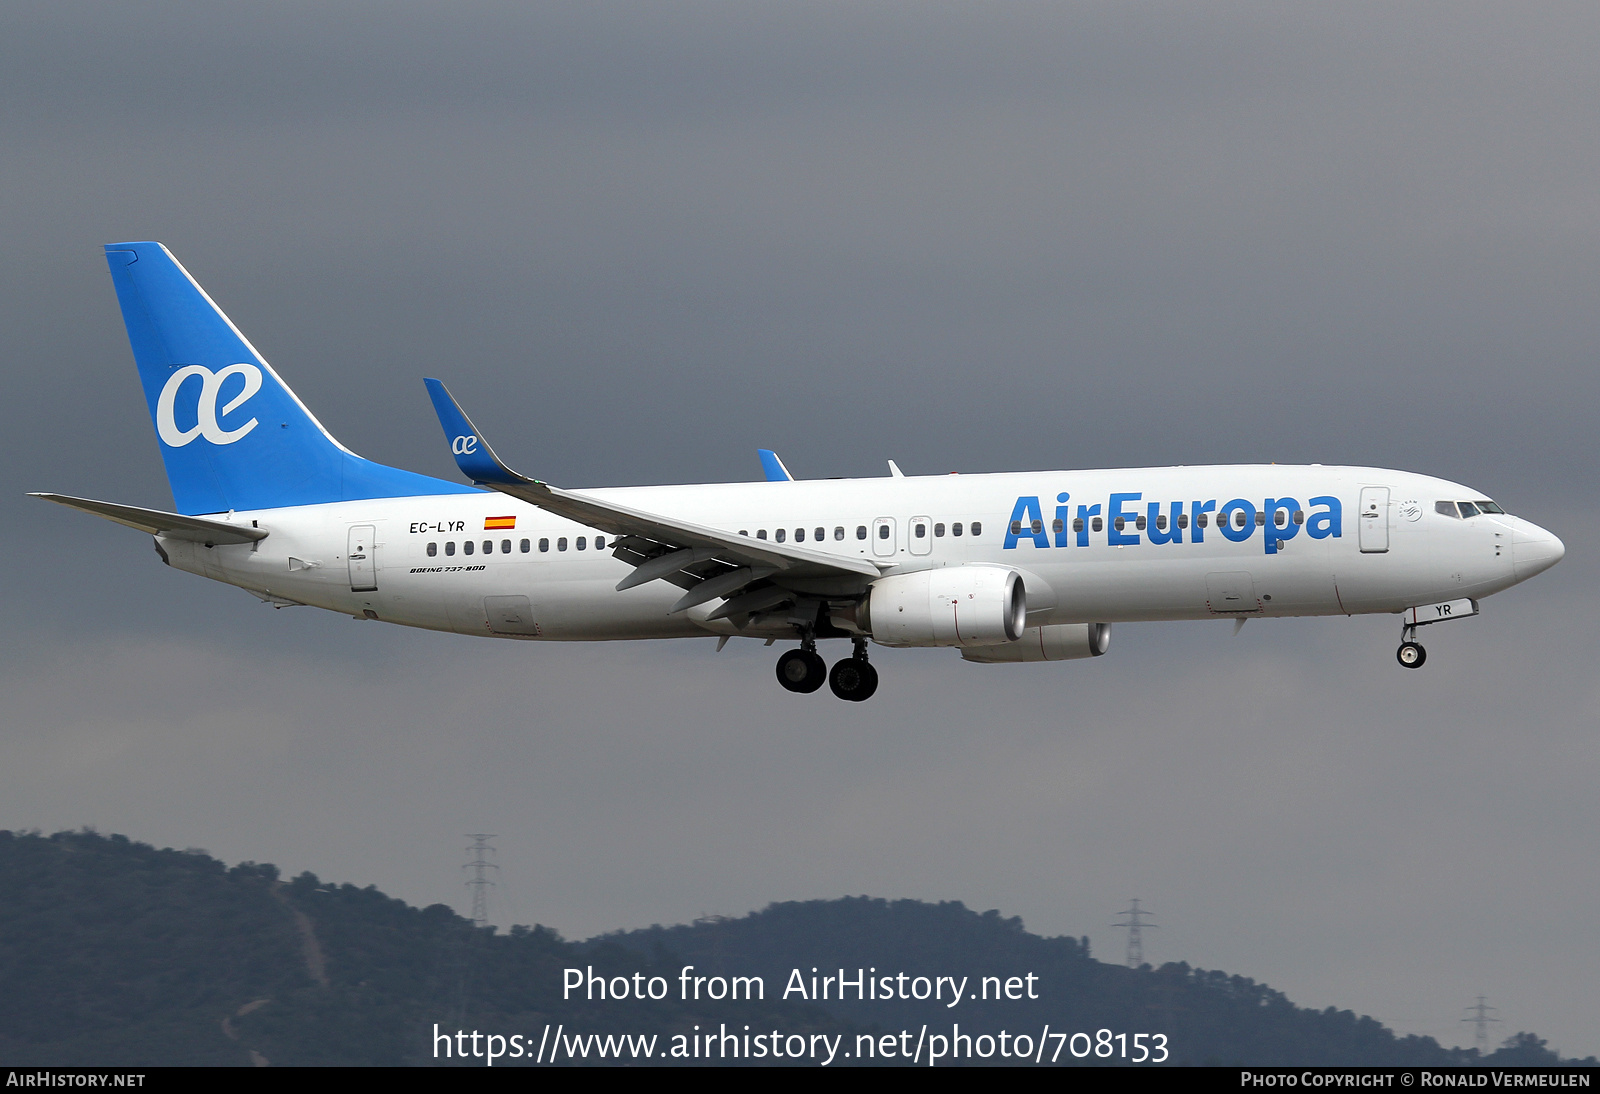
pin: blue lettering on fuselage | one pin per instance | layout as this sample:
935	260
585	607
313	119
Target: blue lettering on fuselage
1280	520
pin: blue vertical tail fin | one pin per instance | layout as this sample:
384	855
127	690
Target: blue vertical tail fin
232	434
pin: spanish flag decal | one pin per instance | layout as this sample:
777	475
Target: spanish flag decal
492	523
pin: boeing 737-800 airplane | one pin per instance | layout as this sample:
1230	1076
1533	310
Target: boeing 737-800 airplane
1004	567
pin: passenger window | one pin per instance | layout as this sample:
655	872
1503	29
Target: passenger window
1261	518
599	543
467	547
799	535
561	543
1139	522
1183	520
1119	524
744	531
526	546
1280	518
1016	527
919	530
1097	524
779	534
1036	527
505	546
1056	525
433	549
1299	516
1445	508
938	531
1161	523
1202	521
488	546
1238	518
822	534
977	529
1077	524
582	542
761	533
838	533
955	529
450	548
883	531
861	531
544	546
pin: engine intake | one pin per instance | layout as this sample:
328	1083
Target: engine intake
972	605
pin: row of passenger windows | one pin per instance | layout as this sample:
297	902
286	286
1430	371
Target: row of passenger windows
467	548
919	529
1280	518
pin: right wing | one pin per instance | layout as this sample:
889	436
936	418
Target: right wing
749	574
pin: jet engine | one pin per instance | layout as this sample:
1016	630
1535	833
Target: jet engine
972	605
1059	642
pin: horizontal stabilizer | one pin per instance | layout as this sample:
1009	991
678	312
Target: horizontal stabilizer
157	523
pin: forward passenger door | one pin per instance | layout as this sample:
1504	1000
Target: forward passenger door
1374	520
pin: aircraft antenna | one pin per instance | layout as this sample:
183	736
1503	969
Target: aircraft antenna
479	883
1478	1015
1134	921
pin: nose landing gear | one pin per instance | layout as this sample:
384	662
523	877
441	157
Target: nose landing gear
1410	654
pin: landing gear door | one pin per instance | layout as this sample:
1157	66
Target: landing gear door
883	541
363	558
1374	519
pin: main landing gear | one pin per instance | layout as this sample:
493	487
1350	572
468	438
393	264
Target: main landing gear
852	679
803	670
1410	654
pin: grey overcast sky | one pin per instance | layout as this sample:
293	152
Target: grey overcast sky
640	241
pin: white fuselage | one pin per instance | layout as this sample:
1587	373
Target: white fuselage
1383	547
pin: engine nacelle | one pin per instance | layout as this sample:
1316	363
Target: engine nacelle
972	605
1059	642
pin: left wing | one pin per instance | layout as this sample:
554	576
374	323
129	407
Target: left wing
751	575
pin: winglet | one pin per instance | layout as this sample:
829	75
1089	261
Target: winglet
773	466
894	471
473	454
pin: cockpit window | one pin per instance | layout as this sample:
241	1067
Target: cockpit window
1465	509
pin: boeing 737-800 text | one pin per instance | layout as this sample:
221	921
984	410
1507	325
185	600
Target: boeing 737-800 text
1004	567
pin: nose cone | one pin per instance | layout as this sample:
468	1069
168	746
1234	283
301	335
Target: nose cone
1533	550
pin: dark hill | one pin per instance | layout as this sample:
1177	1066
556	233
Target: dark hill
113	952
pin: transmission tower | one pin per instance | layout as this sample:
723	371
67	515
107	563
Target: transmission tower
479	883
1478	1015
1134	922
